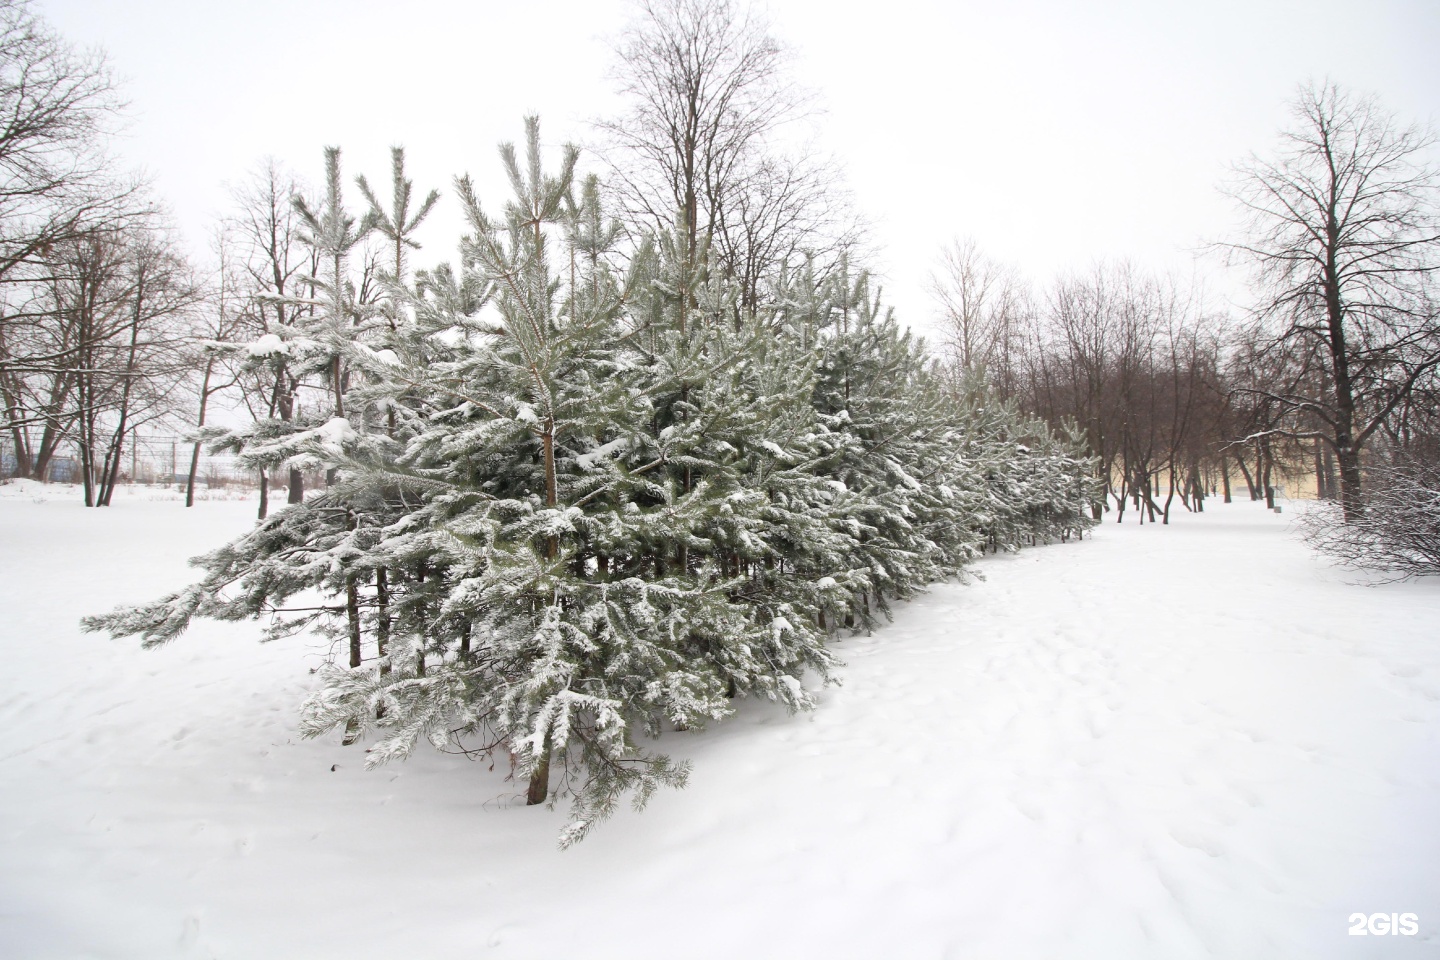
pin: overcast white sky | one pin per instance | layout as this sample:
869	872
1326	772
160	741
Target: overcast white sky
1054	133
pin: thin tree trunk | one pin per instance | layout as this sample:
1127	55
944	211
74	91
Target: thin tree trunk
352	616
540	779
1251	484
422	610
382	621
113	464
110	468
1265	478
283	402
87	465
382	626
199	423
1347	445
552	545
1170	497
352	602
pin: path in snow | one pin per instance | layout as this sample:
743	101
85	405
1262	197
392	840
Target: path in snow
1184	742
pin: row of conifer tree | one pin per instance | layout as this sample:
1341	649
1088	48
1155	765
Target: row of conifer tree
582	493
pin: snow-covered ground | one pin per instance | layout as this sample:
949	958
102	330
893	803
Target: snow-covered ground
1172	742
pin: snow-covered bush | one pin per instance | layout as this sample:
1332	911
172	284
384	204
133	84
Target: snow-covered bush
575	505
1399	530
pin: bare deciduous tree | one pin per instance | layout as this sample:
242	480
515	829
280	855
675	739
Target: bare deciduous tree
56	107
1342	233
225	318
101	351
266	231
984	307
709	101
1130	362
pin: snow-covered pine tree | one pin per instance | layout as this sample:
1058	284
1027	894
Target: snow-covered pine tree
304	337
937	470
872	392
549	640
1030	484
733	441
397	226
323	344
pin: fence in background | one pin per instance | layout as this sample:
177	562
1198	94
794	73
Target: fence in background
148	459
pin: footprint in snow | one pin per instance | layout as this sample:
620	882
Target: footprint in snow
190	931
1246	793
1188	837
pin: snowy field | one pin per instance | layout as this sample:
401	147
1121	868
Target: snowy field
1197	741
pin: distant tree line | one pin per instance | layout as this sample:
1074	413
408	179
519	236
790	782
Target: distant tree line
94	297
1336	370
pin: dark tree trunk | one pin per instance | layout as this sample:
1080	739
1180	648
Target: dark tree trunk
1350	497
1169	497
23	461
352	615
552	545
190	477
382	620
1347	445
199	423
112	465
352	602
1251	484
422	612
87	460
540	779
1265	478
